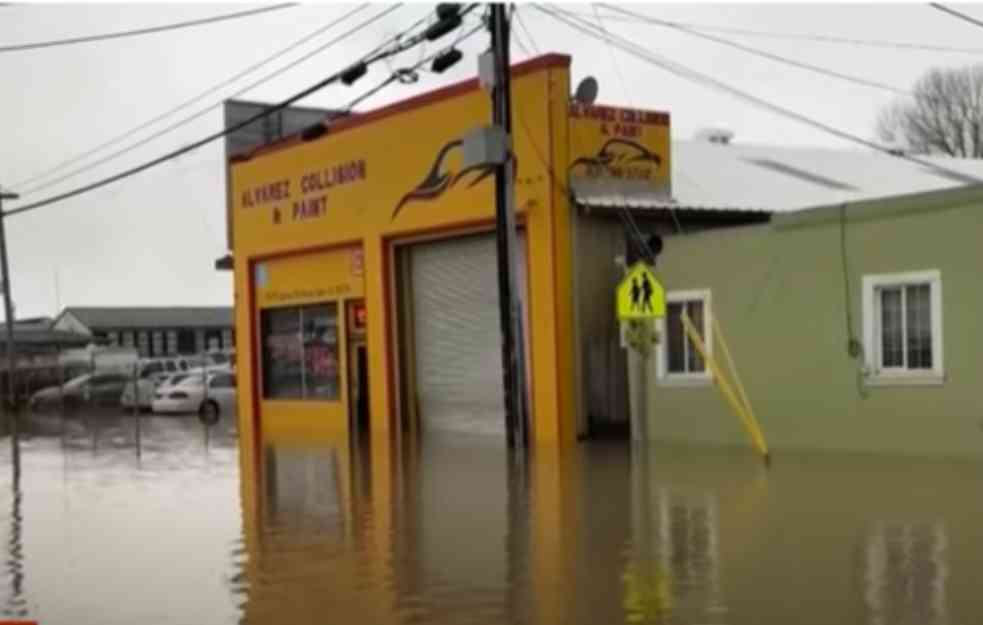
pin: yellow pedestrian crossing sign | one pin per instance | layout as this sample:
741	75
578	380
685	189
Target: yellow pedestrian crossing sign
640	296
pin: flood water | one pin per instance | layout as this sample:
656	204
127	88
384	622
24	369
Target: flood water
453	530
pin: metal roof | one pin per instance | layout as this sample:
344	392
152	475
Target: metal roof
785	179
736	177
37	332
153	317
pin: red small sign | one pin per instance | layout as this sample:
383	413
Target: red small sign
358	316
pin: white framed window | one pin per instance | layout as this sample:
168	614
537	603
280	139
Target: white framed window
679	362
902	314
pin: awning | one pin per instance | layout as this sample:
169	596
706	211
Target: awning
623	193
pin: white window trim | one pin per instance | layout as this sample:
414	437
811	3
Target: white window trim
702	378
874	375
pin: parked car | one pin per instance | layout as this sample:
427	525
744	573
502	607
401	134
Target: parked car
209	398
104	388
97	388
157	369
222	357
172	381
50	397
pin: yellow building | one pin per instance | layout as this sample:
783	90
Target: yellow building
364	258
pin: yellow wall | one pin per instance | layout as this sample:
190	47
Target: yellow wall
285	202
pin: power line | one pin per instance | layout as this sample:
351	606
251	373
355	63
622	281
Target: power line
955	13
144	31
513	11
126	134
408	75
827	39
522	25
614	60
186	120
688	74
358	68
761	53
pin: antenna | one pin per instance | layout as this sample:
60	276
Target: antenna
586	93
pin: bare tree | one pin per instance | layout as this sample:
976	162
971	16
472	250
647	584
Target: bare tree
943	115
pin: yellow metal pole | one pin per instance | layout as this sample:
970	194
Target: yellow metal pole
724	385
737	378
697	341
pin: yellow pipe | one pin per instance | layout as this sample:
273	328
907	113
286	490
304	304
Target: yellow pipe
715	369
724	385
737	379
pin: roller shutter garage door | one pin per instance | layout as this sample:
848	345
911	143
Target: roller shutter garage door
458	353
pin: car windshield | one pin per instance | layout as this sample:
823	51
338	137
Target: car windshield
177	379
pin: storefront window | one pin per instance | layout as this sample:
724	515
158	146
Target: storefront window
300	352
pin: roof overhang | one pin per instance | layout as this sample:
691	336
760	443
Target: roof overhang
644	203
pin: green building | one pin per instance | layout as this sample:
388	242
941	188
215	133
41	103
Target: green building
855	325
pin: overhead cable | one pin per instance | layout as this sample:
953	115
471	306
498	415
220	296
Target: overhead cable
522	25
190	118
408	75
126	134
614	61
686	73
333	78
956	14
817	38
515	34
20	47
761	53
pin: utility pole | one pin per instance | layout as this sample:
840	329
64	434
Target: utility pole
8	306
513	343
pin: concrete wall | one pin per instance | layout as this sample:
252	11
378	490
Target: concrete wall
780	295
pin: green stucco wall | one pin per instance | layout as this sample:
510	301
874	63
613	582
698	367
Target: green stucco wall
778	292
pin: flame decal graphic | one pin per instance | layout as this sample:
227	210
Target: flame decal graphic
439	179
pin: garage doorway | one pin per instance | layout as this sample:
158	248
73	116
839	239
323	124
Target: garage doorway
451	352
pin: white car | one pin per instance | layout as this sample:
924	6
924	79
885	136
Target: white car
158	369
193	395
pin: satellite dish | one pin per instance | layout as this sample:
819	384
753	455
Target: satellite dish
586	91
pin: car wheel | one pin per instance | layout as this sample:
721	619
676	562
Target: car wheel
208	412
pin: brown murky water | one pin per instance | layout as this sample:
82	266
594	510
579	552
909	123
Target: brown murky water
454	531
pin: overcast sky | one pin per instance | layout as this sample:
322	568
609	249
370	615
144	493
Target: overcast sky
152	239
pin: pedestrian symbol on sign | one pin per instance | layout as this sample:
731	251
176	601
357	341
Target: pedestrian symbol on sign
640	296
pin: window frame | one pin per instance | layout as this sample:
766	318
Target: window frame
874	373
700	378
334	307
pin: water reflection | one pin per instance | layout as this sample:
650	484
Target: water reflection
454	530
96	534
16	604
905	573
